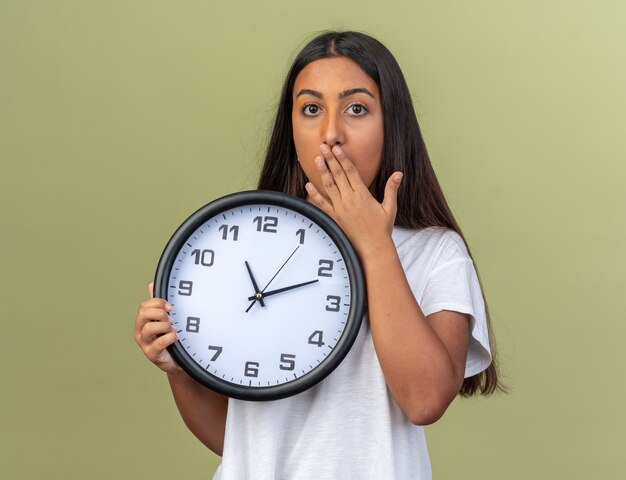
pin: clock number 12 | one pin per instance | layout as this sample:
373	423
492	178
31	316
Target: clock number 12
269	224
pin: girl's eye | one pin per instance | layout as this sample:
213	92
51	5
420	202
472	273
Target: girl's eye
311	109
357	109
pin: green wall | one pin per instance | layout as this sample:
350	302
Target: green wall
119	118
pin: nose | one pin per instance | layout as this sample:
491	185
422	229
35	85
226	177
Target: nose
332	130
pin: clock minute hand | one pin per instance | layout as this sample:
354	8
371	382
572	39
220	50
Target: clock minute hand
284	289
256	288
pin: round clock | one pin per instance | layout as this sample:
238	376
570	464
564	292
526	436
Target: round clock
267	293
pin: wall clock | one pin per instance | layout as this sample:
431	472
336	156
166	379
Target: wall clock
267	292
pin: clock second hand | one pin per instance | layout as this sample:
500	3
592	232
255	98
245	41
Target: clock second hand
259	295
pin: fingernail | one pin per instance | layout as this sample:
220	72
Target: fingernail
398	177
309	187
319	161
337	150
168	307
325	150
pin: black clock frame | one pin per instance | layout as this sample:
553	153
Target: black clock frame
353	267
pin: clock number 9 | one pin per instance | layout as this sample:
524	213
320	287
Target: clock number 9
251	369
269	224
205	257
326	266
185	287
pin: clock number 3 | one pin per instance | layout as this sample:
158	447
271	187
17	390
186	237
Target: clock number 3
333	305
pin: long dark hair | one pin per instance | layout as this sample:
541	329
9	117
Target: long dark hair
421	203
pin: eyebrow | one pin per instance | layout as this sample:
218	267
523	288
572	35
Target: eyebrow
344	94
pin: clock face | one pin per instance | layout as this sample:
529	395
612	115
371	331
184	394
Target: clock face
267	294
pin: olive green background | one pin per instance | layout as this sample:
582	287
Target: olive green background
120	118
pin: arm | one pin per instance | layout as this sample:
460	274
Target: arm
422	358
203	411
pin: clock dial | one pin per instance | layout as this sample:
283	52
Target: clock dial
263	296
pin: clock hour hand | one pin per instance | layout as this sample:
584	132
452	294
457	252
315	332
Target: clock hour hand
281	290
256	288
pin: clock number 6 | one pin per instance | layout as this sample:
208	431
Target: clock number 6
252	369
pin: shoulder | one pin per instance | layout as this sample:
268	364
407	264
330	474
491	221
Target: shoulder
432	245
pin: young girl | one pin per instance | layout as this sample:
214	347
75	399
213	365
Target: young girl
346	138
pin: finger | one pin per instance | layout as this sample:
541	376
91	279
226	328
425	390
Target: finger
156	303
164	341
390	200
328	182
156	350
349	169
151	289
318	199
151	330
339	176
153	310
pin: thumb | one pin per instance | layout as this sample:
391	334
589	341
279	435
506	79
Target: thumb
151	289
390	200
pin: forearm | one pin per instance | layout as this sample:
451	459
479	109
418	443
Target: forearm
418	368
203	410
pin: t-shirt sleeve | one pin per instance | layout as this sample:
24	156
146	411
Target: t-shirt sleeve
453	285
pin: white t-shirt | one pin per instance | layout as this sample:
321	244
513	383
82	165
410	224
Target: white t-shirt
349	425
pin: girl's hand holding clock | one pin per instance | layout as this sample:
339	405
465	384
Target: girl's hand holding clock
349	202
154	332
